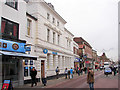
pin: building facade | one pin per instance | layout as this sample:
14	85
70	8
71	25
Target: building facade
53	42
76	55
85	51
12	41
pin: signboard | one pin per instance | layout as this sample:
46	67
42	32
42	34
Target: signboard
12	46
45	51
28	48
55	53
6	84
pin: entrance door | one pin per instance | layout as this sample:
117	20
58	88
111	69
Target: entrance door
42	68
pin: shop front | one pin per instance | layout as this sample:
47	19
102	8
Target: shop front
13	54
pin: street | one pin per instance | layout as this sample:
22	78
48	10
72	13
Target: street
101	81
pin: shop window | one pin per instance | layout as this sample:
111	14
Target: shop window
9	29
25	71
31	62
10	69
26	62
12	3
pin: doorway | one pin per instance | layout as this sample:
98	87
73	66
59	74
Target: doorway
42	68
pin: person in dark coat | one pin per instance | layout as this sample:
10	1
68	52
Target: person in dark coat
44	81
90	79
114	70
33	74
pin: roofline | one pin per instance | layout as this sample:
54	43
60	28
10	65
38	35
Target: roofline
84	41
54	11
68	32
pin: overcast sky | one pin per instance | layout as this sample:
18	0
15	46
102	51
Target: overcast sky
94	20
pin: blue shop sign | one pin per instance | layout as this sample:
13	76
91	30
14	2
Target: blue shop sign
28	48
45	51
55	53
12	46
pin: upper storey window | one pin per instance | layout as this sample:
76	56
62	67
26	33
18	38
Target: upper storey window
48	16
28	27
53	20
12	3
9	29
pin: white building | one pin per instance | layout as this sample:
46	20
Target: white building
12	43
54	43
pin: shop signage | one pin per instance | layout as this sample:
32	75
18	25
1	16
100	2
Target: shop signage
12	46
6	84
45	51
28	48
55	53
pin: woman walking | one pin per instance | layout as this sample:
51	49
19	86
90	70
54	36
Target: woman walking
90	79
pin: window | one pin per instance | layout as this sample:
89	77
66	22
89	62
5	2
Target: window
58	39
48	34
53	20
28	26
53	37
12	3
48	16
57	23
9	29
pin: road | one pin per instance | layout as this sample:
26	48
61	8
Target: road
101	81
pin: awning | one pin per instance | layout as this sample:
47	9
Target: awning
15	54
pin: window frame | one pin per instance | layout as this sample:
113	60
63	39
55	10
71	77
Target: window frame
48	16
53	37
14	2
48	35
30	24
5	29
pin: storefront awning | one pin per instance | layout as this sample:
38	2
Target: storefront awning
15	54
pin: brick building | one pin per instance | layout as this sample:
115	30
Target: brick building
85	51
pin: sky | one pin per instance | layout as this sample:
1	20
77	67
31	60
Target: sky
94	20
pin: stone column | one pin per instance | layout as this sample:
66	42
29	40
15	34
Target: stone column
21	72
56	61
61	62
50	61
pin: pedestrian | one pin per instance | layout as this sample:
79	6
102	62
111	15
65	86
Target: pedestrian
44	81
85	69
71	73
90	79
114	70
33	74
57	72
66	73
79	71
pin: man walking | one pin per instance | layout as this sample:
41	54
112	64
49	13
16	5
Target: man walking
57	72
90	79
71	73
33	74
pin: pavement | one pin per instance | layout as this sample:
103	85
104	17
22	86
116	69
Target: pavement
101	81
56	82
